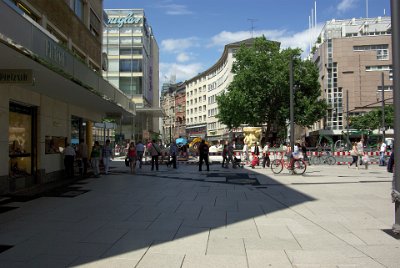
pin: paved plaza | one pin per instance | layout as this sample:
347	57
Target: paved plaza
332	216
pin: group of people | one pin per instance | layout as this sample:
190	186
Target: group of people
360	158
136	152
81	154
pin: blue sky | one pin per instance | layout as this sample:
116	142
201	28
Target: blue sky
191	34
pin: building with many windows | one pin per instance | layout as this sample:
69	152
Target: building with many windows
201	96
51	88
351	56
173	103
133	65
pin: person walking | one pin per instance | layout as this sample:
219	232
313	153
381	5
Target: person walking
382	153
230	155
354	155
265	151
245	152
203	155
304	152
225	156
132	154
360	149
107	155
69	155
154	151
95	158
139	153
82	155
173	152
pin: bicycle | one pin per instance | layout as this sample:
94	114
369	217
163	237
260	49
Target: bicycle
322	158
299	166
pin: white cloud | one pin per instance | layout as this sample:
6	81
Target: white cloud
300	39
181	71
345	5
183	57
178	45
226	37
174	9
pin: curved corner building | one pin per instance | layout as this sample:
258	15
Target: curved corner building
201	96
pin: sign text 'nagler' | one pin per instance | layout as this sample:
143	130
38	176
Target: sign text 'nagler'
16	76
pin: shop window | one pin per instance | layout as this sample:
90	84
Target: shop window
20	137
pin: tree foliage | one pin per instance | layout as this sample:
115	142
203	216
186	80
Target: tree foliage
373	119
259	92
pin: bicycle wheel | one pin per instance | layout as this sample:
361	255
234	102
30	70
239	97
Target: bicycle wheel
299	166
330	160
276	166
316	160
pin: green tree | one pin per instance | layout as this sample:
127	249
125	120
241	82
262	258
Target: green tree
259	92
373	119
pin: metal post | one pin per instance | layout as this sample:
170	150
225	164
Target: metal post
395	9
347	112
291	104
383	108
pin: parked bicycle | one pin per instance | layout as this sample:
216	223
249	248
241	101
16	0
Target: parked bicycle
299	166
323	158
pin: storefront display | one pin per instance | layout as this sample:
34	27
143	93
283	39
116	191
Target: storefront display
20	140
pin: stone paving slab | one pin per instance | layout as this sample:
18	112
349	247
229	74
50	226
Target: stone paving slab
330	217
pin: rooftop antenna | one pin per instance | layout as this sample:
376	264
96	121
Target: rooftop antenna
366	7
315	14
252	26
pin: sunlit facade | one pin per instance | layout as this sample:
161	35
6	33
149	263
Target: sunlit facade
133	58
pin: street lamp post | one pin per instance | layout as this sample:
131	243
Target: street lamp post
395	9
291	104
383	108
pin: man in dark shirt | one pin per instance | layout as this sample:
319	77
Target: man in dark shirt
203	155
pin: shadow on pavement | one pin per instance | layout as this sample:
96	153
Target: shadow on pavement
124	216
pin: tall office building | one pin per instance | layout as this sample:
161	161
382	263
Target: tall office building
133	58
351	56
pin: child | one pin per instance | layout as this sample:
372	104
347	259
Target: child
365	160
255	161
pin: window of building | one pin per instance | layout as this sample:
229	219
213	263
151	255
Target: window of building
386	88
26	10
78	8
113	40
131	85
95	25
382	54
130	51
130	65
113	65
125	40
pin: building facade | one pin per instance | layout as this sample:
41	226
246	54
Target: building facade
180	111
168	106
51	88
201	97
351	56
133	65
